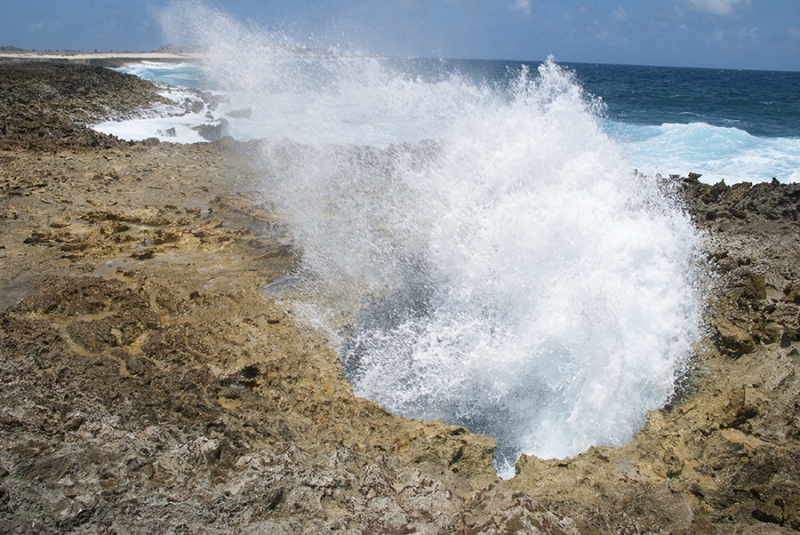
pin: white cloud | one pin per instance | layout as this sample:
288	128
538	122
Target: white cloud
717	7
36	26
523	6
619	14
751	33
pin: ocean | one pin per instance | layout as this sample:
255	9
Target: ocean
731	125
488	242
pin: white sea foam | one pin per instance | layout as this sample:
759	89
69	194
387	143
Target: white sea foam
177	122
717	153
174	74
301	112
513	274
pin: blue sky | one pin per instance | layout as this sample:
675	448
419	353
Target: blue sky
744	34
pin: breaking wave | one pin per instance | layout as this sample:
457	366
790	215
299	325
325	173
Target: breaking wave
481	250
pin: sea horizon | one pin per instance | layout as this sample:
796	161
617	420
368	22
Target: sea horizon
727	125
8	51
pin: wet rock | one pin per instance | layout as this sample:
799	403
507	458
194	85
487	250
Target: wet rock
244	113
213	132
212	101
193	106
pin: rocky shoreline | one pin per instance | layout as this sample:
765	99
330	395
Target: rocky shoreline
96	59
150	386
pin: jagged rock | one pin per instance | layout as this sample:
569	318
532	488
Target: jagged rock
41	103
212	101
213	132
755	287
734	340
149	386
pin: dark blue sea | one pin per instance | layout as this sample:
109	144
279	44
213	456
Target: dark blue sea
737	125
730	125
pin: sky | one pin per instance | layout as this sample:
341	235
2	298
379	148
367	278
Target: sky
738	34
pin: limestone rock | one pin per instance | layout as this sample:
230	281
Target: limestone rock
150	386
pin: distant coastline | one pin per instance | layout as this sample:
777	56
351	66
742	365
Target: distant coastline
97	59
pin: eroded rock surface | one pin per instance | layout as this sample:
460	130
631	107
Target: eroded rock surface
151	386
43	105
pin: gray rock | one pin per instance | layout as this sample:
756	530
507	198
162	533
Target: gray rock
213	132
240	114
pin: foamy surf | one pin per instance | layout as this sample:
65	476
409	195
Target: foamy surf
717	152
500	265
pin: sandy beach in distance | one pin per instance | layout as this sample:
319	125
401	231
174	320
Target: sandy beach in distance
96	58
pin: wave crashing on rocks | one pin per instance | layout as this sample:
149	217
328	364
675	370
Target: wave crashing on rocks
480	252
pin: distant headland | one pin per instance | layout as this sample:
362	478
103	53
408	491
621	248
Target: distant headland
167	53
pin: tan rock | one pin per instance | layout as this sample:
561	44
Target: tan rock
149	385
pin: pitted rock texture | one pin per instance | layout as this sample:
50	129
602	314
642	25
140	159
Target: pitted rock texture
44	105
151	386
